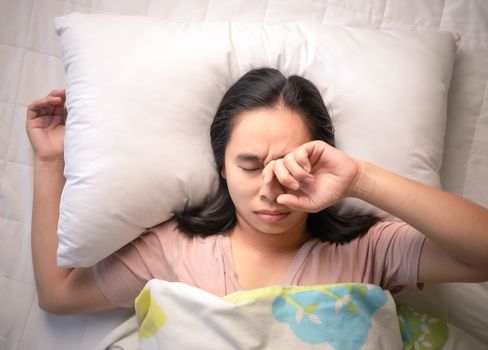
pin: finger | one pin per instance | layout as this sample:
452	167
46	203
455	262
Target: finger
45	111
283	175
35	109
268	172
60	111
289	201
36	112
58	93
62	95
55	106
302	157
298	171
44	103
315	150
302	203
40	107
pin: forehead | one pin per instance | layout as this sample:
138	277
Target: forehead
269	133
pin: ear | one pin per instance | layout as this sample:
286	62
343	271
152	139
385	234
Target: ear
222	172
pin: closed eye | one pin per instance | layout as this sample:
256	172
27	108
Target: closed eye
249	162
251	169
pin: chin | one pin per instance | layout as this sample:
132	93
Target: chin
273	229
274	225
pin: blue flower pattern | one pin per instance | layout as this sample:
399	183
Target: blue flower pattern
339	315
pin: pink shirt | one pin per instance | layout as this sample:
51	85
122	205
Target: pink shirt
388	255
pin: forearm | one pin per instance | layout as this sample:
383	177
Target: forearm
457	225
48	185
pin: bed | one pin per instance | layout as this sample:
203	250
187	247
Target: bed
31	66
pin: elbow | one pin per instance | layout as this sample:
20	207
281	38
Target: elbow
48	307
54	310
53	306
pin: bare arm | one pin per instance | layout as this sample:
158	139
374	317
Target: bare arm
60	290
457	229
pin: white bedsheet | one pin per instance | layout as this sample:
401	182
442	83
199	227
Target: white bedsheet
30	66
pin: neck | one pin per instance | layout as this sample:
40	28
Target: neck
269	243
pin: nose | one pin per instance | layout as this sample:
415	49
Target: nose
271	191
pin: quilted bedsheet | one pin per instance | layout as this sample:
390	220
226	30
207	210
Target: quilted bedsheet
30	67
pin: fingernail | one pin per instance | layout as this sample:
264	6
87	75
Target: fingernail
307	168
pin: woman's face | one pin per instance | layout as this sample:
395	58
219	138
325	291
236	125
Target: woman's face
259	136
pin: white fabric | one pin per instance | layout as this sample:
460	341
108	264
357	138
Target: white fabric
141	95
30	66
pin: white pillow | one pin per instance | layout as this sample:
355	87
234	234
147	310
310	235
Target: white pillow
387	96
142	92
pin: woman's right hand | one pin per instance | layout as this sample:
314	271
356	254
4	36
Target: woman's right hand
60	290
45	122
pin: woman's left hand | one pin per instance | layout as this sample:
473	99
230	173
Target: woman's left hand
314	176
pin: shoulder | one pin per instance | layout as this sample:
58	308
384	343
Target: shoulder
384	235
391	242
391	230
379	236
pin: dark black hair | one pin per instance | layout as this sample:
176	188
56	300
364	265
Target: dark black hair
268	88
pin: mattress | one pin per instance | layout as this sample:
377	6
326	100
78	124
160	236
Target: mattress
31	66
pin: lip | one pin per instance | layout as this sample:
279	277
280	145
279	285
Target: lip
272	216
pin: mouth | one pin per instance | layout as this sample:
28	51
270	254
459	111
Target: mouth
272	216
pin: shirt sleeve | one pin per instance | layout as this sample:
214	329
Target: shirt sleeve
122	275
397	249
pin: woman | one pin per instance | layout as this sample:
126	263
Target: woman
271	221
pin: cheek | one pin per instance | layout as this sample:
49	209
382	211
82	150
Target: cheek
242	186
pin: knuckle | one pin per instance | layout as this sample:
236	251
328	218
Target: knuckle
302	153
289	181
289	157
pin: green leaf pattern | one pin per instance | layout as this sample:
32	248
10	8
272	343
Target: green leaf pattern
421	331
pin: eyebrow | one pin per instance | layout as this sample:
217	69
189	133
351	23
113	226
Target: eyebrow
247	157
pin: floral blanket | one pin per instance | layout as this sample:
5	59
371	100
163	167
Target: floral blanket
338	316
345	316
